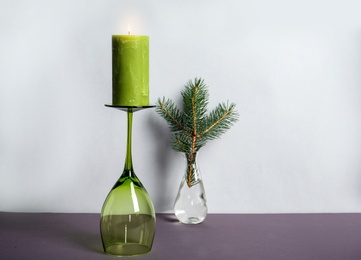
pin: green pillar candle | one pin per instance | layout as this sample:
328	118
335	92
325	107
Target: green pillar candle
130	70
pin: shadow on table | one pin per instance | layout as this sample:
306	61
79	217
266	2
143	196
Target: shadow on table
86	235
70	233
86	240
167	218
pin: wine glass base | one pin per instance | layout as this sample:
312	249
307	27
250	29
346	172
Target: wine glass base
128	108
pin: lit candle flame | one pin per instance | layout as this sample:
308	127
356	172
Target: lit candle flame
129	29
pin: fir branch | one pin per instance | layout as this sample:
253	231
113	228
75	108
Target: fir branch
168	110
192	127
220	120
195	101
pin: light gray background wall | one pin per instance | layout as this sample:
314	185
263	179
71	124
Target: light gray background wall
292	67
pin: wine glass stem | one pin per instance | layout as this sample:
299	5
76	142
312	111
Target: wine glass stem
128	159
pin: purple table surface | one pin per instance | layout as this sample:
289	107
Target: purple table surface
220	236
